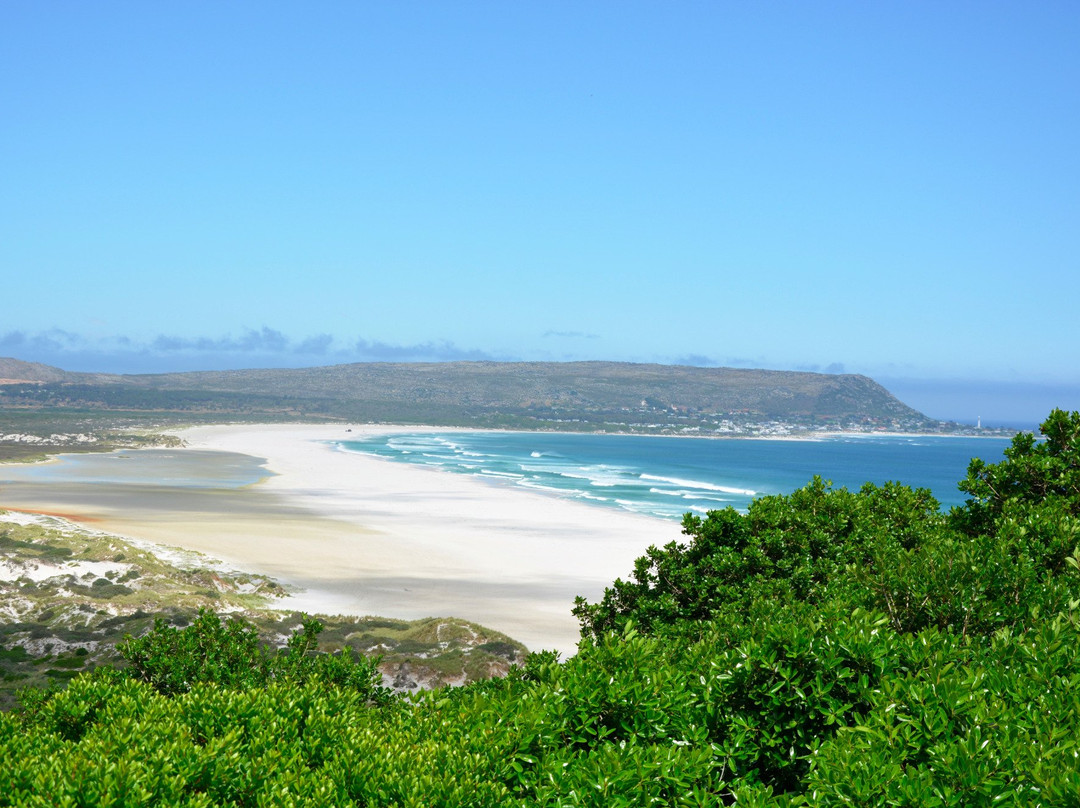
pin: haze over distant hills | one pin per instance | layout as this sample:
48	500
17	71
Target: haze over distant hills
581	395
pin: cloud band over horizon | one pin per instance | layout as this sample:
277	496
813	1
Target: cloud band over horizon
169	352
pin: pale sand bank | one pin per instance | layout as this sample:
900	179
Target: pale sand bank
363	535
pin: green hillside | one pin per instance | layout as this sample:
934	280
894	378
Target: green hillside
592	396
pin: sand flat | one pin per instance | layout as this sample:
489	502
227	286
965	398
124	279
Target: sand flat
365	535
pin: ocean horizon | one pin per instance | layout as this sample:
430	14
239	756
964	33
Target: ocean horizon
666	477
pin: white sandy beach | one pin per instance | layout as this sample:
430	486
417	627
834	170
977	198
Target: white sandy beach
362	535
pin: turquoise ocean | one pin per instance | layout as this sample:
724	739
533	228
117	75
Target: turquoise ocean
667	477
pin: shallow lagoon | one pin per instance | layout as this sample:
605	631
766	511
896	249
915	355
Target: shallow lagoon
137	481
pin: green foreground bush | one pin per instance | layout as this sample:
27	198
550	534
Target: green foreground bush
827	648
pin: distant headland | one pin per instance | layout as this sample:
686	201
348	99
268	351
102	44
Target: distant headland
568	396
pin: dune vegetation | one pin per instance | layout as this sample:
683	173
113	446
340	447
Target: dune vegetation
70	594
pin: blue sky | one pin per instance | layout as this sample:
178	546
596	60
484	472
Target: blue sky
882	188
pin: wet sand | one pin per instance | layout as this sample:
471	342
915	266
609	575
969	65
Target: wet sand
357	534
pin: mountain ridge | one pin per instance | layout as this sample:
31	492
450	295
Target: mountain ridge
592	393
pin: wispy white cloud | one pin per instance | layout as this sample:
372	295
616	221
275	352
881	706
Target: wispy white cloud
315	346
696	360
264	340
54	339
831	368
703	361
264	347
571	335
440	351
